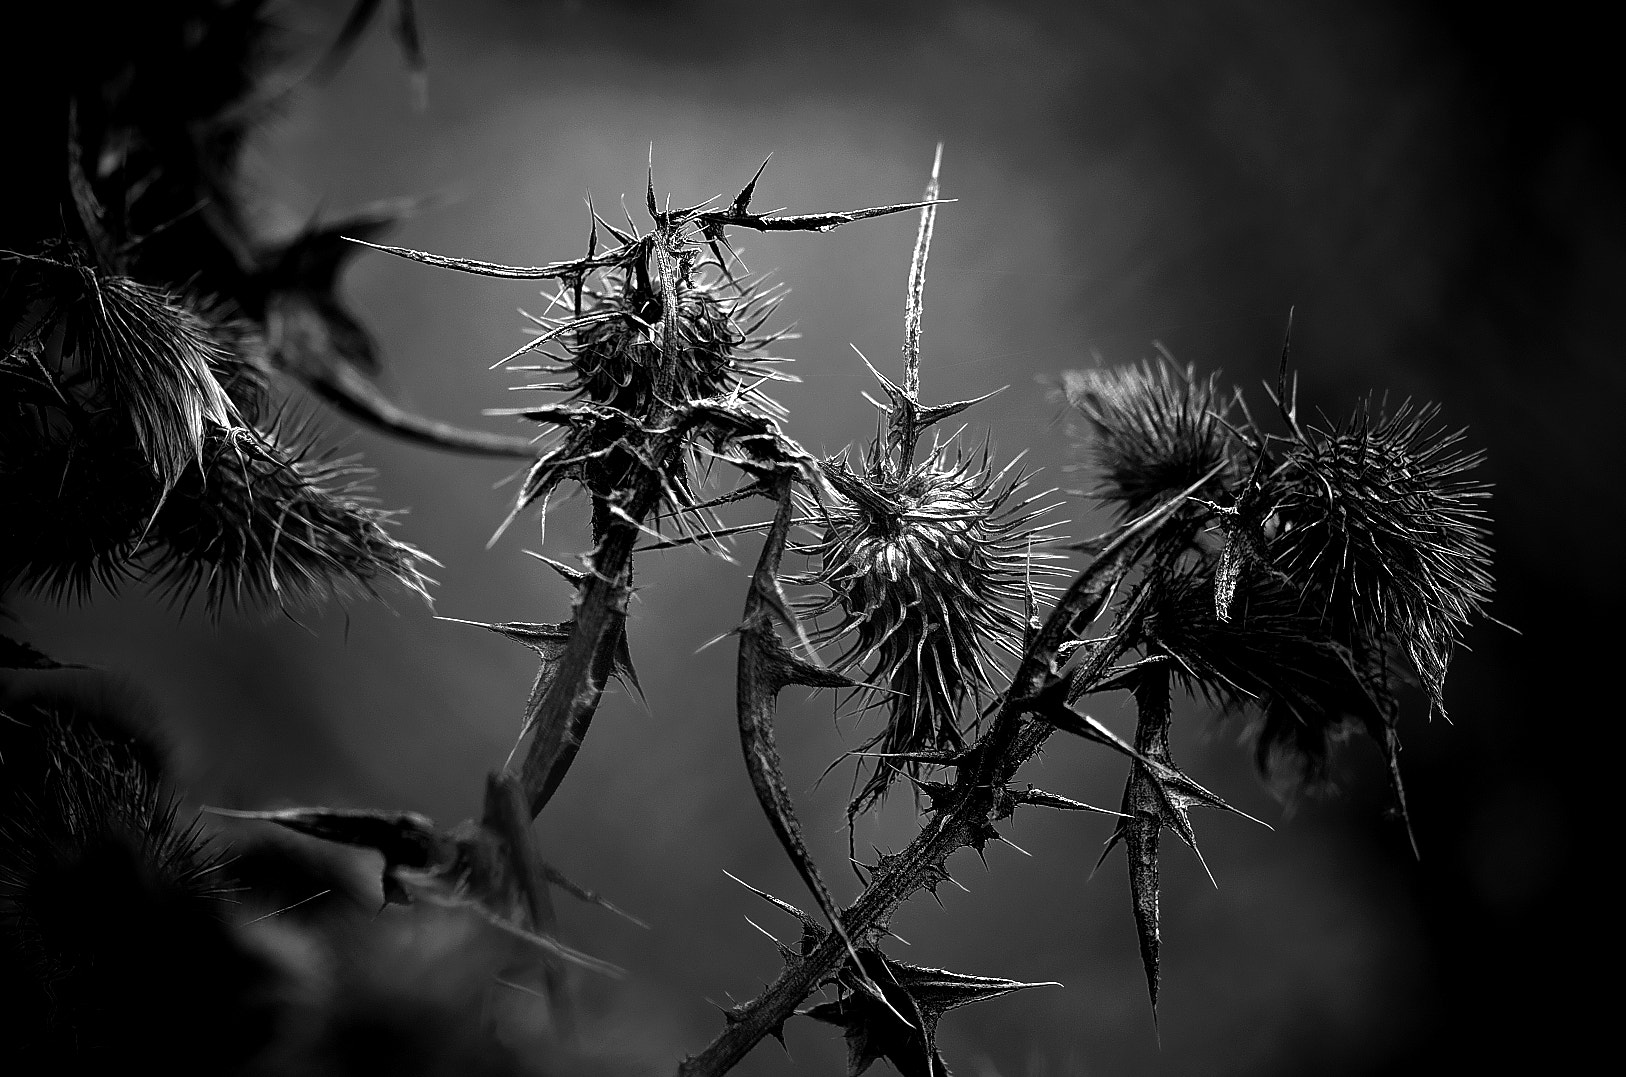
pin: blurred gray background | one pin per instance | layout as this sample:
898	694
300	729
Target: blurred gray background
1437	195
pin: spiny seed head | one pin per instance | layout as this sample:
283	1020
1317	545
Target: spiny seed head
1381	525
265	520
928	573
80	774
619	361
1272	660
1154	429
622	379
113	901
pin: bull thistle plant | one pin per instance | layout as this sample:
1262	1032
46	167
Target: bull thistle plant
1301	577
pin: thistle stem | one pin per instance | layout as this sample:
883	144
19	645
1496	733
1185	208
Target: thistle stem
564	710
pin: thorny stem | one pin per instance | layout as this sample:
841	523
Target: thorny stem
563	711
1010	742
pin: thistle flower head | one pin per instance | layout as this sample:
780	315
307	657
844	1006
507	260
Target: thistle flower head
626	383
1154	429
267	520
616	355
1382	527
930	574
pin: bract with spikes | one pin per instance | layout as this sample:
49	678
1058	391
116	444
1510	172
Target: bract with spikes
1157	795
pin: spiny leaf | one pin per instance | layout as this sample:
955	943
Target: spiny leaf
1054	800
430	888
1157	795
488	868
553	271
549	642
581	893
808	923
800	222
915	304
1050	704
356	395
506	820
312	334
873	1026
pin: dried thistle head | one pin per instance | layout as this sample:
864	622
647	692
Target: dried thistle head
127	446
625	387
1383	529
113	906
931	575
616	355
267	520
1154	429
109	344
1272	660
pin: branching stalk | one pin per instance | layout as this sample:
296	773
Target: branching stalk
976	802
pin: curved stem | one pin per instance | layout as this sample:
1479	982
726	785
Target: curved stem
353	394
